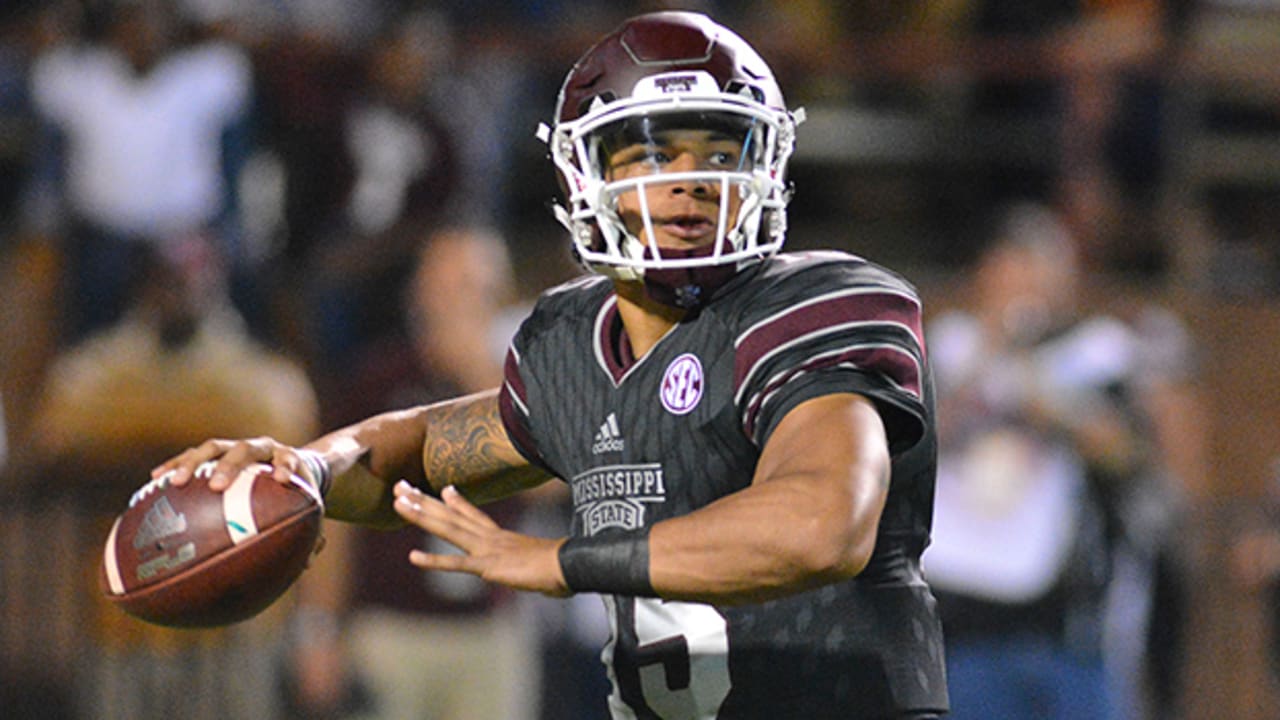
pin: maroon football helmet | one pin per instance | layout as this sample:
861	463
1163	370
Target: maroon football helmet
668	71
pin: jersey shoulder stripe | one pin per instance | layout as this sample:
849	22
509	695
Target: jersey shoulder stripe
806	313
838	316
821	301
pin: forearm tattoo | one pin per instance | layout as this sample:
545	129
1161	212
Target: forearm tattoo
466	445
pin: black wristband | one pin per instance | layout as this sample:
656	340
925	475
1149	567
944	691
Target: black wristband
612	563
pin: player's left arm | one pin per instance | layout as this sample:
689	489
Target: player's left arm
810	517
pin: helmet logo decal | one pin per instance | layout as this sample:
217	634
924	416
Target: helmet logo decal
682	385
676	83
685	82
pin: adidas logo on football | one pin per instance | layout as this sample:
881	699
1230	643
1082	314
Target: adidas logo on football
160	522
608	437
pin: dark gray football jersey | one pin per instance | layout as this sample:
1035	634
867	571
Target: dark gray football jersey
642	440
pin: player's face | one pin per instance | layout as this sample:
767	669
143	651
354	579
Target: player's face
685	213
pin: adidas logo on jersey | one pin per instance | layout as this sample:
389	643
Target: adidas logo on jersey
608	437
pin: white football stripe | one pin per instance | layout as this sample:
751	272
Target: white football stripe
237	505
110	564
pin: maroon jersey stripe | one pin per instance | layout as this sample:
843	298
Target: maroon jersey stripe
514	407
866	308
511	375
615	361
889	360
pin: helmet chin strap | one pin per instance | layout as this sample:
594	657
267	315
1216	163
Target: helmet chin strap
687	288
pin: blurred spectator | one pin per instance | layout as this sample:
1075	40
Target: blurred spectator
178	367
13	116
169	372
143	141
403	178
306	78
363	165
425	645
24	30
1254	567
28	266
1052	511
1093	71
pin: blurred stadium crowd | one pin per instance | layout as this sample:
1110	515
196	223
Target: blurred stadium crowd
241	217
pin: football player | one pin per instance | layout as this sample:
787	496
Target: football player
748	435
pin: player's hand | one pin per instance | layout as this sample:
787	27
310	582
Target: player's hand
518	561
230	457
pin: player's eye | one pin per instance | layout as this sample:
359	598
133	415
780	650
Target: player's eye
722	159
636	156
658	156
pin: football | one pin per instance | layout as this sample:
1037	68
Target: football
191	557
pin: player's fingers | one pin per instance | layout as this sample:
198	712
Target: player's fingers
448	563
285	463
410	501
177	465
184	464
404	489
459	519
458	503
434	516
239	455
173	467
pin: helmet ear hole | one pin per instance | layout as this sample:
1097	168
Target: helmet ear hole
740	88
595	101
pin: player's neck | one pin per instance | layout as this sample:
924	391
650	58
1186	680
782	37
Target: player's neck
644	319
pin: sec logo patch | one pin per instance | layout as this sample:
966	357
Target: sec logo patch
682	384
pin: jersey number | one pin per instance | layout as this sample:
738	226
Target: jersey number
679	666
